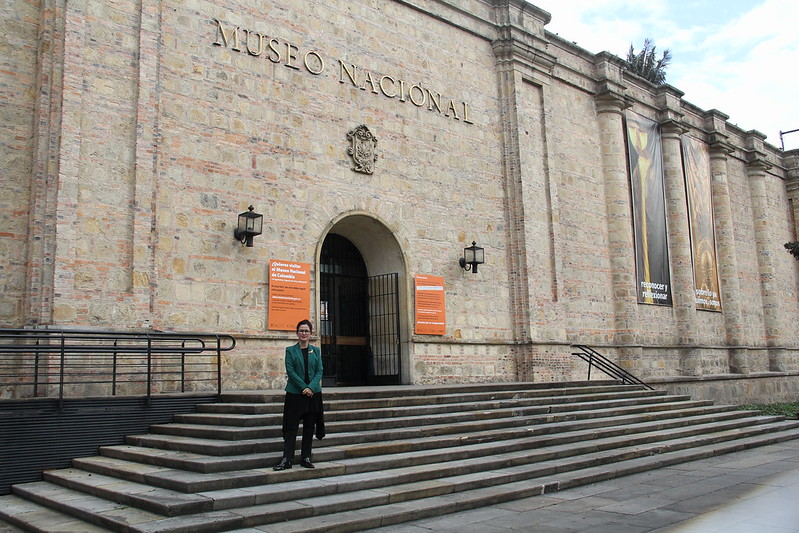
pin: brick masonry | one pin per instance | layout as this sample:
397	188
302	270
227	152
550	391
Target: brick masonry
134	132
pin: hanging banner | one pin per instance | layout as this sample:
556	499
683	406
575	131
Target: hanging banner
649	211
289	294
431	316
696	162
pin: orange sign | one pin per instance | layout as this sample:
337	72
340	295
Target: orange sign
431	316
289	294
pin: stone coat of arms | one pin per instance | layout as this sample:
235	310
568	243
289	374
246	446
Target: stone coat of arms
363	149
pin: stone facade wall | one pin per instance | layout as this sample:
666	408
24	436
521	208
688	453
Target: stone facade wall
134	132
19	53
736	390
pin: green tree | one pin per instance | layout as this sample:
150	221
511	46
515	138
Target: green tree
646	64
793	248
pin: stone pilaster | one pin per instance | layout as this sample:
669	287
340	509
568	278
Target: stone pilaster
44	189
669	100
682	272
148	137
610	104
522	57
725	242
792	186
757	171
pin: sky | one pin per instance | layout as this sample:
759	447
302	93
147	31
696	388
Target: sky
740	57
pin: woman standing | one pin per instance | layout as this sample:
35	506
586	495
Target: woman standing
303	396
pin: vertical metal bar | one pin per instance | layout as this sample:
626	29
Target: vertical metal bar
61	375
36	369
218	365
149	368
397	338
114	369
183	364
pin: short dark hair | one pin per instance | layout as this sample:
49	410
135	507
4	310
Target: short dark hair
306	322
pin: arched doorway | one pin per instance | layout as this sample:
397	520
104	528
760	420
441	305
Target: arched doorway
360	322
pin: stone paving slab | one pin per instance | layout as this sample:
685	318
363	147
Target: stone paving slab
755	490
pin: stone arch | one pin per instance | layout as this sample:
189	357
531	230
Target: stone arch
383	253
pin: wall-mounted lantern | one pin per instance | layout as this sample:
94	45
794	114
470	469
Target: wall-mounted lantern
472	256
250	225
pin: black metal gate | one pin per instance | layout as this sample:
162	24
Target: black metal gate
384	330
359	318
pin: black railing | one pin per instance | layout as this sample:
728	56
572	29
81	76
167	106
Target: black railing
596	359
57	363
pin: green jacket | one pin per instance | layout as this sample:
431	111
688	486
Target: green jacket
295	370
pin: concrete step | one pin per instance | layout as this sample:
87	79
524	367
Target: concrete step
334	403
86	508
395	420
335	413
351	445
362	461
400	391
339	434
31	516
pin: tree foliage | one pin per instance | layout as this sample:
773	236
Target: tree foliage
793	248
646	64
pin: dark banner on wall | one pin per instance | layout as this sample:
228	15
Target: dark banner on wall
649	211
696	161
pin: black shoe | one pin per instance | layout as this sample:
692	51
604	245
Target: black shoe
306	463
284	464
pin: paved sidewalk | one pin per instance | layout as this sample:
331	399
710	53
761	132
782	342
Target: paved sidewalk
753	491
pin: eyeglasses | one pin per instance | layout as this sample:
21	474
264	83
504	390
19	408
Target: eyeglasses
304	331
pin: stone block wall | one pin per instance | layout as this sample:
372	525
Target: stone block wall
171	117
19	78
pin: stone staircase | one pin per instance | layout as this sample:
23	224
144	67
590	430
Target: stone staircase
391	455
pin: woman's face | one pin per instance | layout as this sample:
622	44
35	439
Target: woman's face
304	332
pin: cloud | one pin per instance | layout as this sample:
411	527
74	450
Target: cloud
746	70
731	55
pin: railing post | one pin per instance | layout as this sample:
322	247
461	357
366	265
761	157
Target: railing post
114	370
36	371
61	374
219	365
149	367
183	368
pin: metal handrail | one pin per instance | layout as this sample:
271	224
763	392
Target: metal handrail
595	359
44	358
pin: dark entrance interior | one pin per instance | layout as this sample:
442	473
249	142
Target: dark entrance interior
359	318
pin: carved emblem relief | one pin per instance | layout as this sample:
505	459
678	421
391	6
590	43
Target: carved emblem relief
362	149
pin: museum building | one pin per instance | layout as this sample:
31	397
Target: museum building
450	192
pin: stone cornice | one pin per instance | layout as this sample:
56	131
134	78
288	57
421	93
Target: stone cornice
504	8
672	125
755	152
792	171
719	147
755	162
670	113
611	92
611	99
717	138
526	49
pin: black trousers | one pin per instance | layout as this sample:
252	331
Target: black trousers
298	408
290	428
